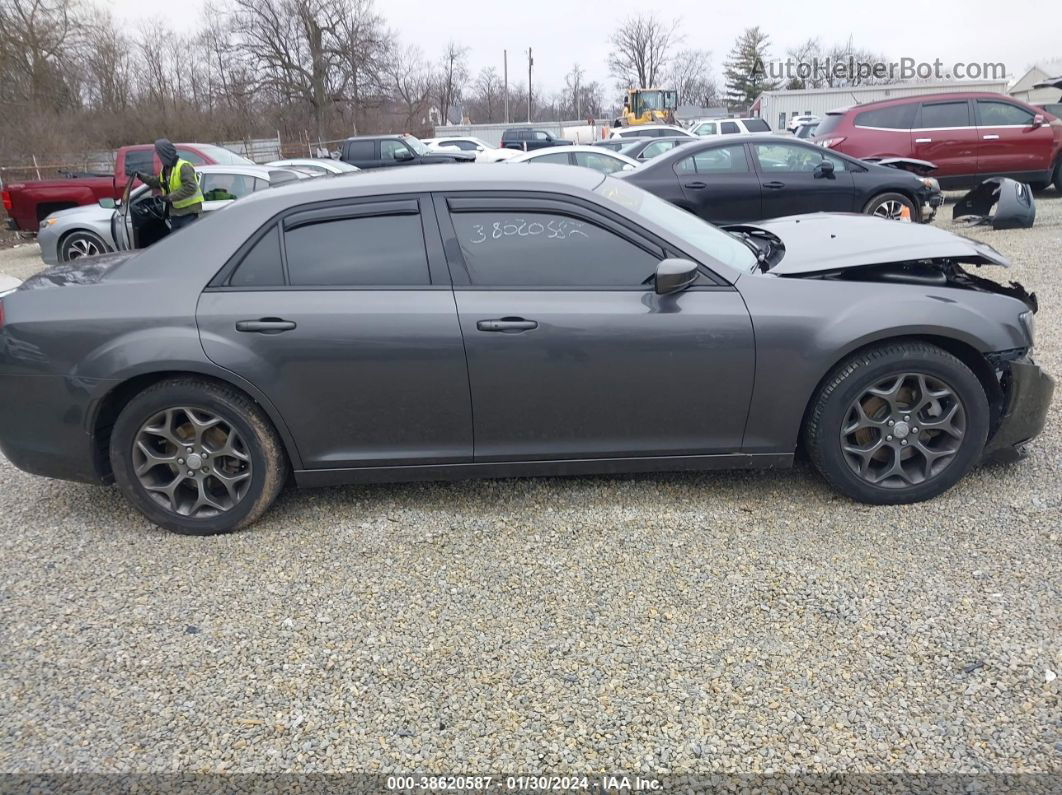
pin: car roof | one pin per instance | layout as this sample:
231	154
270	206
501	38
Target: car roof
378	137
946	95
427	178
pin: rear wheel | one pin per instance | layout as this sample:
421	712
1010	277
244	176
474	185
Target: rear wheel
81	244
1057	179
196	457
897	424
891	206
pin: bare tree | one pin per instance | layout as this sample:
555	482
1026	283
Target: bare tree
488	94
295	46
573	84
640	50
408	79
451	78
35	39
106	68
691	76
364	41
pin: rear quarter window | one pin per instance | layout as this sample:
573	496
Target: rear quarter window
898	117
829	123
757	125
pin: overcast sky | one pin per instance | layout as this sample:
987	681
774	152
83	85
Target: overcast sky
561	32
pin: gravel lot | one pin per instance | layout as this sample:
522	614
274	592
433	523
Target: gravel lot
686	623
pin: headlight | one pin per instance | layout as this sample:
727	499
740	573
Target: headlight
49	221
929	182
1028	322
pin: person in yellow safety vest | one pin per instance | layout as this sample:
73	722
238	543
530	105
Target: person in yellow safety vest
178	183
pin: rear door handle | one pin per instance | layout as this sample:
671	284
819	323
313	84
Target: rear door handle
774	185
991	137
923	140
510	325
695	185
265	325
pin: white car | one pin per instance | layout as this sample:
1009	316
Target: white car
315	166
751	126
796	121
594	157
485	153
649	131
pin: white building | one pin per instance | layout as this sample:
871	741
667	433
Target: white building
778	107
1022	88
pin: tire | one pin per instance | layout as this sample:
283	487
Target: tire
81	244
241	443
883	206
1057	179
858	462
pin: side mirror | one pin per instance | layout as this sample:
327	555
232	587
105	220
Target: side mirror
403	154
1038	120
673	275
108	204
627	167
824	169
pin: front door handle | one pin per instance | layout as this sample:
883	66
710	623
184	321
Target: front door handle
774	185
265	325
923	140
695	185
508	325
991	137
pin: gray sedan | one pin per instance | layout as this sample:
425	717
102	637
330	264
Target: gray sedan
438	323
86	231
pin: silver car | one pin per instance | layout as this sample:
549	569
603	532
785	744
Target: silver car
108	226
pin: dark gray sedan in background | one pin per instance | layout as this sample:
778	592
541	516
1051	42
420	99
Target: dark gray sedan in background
448	323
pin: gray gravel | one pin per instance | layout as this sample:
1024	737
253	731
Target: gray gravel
685	623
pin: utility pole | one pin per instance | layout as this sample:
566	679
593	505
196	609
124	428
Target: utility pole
530	63
505	71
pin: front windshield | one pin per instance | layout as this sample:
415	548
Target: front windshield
415	144
685	226
223	156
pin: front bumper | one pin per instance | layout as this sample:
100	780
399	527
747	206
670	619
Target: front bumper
1028	391
931	202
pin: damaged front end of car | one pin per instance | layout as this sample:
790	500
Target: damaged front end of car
866	250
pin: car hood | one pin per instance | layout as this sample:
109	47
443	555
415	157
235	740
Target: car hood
88	270
85	212
821	242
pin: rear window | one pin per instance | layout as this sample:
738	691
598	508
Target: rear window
757	125
898	117
830	122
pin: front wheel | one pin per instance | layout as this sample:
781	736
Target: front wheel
893	206
81	244
899	423
196	457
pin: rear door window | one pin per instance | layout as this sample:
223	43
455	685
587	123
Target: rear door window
728	128
360	150
942	115
363	251
757	125
555	157
717	160
225	187
262	265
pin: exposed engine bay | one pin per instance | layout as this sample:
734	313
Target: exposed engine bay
933	271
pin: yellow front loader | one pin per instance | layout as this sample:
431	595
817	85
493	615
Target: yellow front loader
648	106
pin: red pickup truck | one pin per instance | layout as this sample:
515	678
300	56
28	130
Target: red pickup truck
29	203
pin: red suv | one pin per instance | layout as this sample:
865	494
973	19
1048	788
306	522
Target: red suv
968	136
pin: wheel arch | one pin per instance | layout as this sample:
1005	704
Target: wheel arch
109	405
962	350
80	230
907	194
